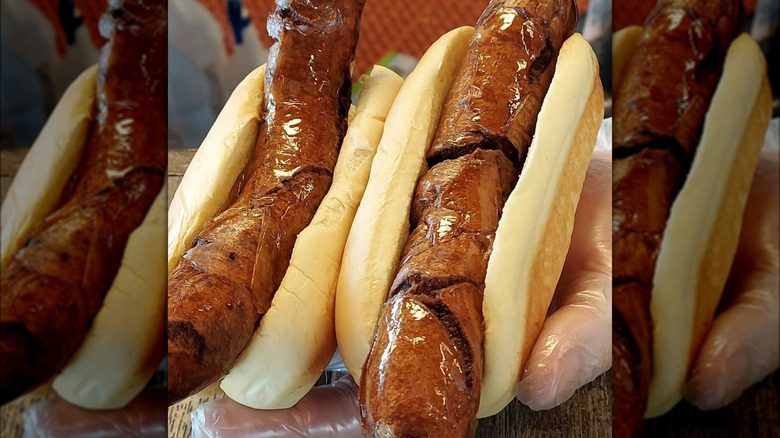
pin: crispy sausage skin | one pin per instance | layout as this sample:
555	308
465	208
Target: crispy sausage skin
431	329
56	283
659	111
224	284
511	60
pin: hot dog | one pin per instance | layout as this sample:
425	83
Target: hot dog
293	343
224	284
672	213
422	360
74	234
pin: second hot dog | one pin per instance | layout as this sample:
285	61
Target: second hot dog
424	372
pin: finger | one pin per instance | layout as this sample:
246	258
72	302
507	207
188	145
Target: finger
573	347
741	349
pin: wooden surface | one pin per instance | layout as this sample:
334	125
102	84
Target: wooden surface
754	414
10	159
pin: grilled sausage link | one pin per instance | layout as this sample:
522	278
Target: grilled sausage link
431	329
223	285
56	283
659	111
495	99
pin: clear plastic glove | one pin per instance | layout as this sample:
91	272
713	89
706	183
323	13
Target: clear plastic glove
574	346
326	411
742	345
145	416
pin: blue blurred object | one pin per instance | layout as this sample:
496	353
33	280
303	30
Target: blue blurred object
22	112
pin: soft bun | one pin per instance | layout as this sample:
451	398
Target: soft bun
529	249
381	223
126	342
294	342
221	157
39	181
701	235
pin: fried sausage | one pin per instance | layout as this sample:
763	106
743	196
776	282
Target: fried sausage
56	282
224	284
495	99
431	329
659	112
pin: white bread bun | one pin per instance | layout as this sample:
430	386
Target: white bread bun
39	181
126	341
206	184
296	337
381	223
623	43
529	249
702	232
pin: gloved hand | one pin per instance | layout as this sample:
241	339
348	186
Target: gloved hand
574	346
326	411
742	345
145	416
578	333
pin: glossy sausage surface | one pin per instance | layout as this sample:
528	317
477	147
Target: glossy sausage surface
56	283
659	110
424	371
224	284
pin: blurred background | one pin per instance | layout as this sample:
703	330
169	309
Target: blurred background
213	44
44	45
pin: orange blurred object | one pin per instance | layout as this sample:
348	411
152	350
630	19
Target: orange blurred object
90	11
219	9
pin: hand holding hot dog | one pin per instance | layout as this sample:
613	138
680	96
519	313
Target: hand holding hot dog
573	347
742	346
580	325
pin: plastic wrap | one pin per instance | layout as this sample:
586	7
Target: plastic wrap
145	416
326	411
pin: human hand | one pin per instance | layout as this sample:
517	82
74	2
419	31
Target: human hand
326	411
742	345
574	346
